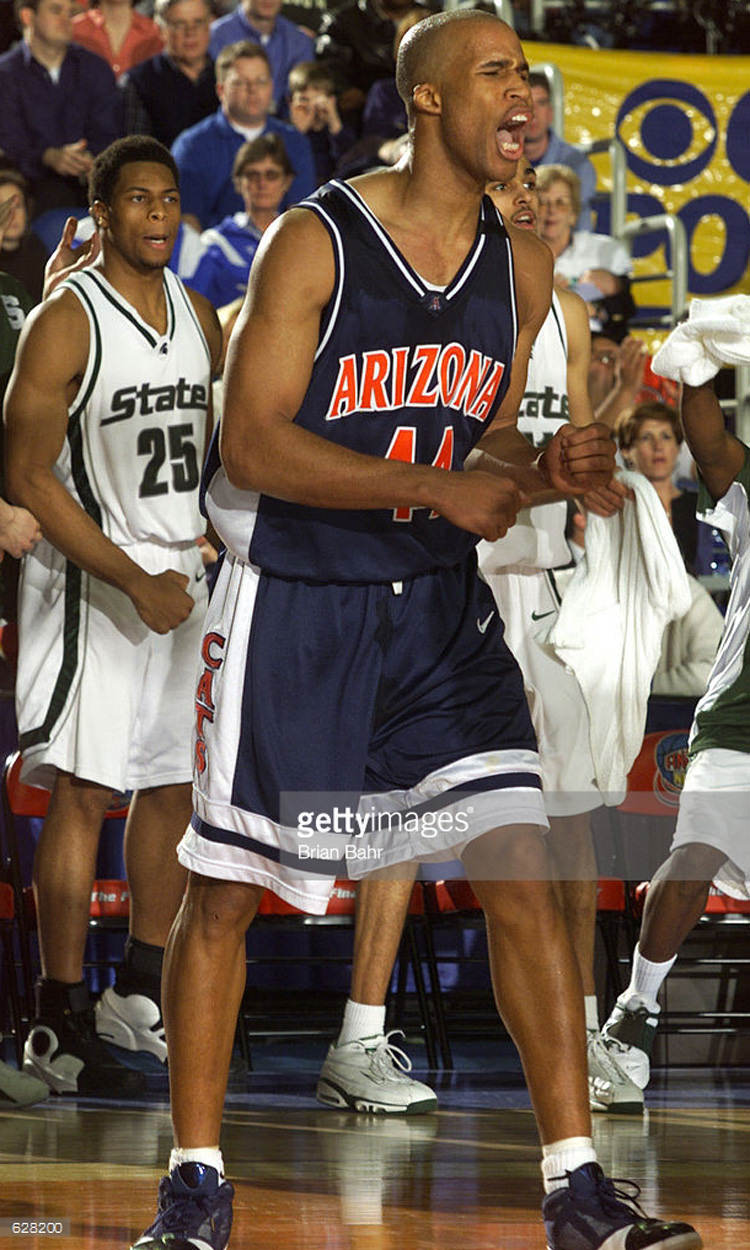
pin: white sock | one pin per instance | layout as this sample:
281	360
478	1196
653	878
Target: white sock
564	1156
646	979
360	1020
592	1012
210	1156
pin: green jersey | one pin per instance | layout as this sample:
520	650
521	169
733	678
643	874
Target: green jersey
722	717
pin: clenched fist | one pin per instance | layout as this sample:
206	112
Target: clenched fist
161	600
579	458
480	502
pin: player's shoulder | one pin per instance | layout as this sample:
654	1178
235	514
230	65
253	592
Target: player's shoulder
296	228
574	311
62	312
529	249
208	320
533	265
55	336
295	265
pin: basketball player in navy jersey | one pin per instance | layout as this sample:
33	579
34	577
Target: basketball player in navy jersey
350	646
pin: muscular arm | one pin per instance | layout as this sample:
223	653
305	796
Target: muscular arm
51	358
608	499
579	357
269	364
206	314
718	454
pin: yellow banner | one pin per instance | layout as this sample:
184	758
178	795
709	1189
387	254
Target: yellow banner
685	125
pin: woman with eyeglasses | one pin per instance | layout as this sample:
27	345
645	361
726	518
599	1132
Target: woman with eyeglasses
595	265
262	175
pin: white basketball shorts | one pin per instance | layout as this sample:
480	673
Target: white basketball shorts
715	810
99	694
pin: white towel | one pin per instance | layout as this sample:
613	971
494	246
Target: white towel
629	584
717	333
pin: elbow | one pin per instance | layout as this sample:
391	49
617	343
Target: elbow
236	477
16	484
237	467
23	485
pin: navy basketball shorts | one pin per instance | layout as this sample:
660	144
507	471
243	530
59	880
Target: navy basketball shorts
343	728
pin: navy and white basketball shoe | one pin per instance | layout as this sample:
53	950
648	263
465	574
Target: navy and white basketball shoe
194	1213
590	1214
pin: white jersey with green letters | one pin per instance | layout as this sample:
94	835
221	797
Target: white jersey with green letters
537	540
137	427
722	717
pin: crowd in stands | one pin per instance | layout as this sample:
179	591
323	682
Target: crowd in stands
258	110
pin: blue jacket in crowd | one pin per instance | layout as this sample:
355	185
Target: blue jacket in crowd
225	264
205	154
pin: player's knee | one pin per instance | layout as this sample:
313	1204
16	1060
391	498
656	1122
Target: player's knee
691	867
220	908
79	802
512	904
509	854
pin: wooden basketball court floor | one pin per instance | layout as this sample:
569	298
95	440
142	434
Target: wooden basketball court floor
312	1179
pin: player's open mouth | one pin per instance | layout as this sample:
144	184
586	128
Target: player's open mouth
525	219
510	135
157	240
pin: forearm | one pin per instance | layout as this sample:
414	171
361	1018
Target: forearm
288	462
70	529
619	398
506	452
718	454
703	422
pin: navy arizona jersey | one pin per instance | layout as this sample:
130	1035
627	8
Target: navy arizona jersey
403	371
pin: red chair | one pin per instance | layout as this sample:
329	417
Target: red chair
109	899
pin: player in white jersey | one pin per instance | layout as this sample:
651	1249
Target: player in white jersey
711	841
107	415
519	569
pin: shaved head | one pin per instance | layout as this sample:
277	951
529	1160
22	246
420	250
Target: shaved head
424	49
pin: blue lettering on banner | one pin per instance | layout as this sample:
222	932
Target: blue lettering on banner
737	144
672	119
663	137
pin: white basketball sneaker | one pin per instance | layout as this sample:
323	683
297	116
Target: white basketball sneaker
132	1021
629	1036
610	1088
370	1075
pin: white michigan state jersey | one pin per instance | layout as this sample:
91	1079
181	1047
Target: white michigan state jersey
544	407
537	540
137	427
